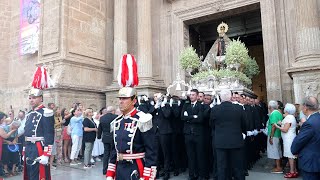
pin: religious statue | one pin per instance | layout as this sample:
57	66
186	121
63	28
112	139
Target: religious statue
217	52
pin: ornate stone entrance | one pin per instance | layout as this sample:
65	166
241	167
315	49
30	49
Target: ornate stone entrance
278	83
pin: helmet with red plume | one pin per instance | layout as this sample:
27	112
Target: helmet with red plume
128	76
41	80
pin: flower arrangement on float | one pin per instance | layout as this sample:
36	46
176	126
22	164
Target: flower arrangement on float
189	59
237	71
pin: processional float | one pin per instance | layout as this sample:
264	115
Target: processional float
226	66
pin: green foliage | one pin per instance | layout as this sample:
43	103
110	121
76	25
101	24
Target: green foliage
251	68
204	74
234	74
236	52
189	59
222	73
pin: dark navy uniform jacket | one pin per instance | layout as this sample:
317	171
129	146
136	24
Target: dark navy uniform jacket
40	128
40	123
133	134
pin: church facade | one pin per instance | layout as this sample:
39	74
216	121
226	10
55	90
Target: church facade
81	43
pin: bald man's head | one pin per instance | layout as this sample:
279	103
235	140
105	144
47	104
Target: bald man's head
311	103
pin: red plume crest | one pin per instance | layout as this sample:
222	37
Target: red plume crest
41	79
128	71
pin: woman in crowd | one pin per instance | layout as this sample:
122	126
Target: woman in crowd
76	136
57	145
89	136
66	116
288	133
98	147
9	137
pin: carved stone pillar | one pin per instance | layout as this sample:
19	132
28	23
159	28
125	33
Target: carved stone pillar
120	34
307	32
305	71
144	56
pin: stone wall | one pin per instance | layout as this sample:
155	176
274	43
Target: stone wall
72	45
5	14
19	68
76	51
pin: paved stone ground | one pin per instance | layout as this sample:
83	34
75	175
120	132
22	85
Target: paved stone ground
65	172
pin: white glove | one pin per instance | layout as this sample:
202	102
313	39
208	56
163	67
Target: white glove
195	116
249	133
211	105
243	136
43	159
139	100
163	104
157	105
171	102
109	178
265	132
145	98
185	113
152	103
189	92
255	132
218	100
165	100
179	103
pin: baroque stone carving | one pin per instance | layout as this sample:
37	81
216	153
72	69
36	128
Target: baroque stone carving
311	89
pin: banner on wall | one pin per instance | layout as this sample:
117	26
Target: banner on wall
29	26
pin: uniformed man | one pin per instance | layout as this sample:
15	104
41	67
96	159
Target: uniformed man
133	155
39	137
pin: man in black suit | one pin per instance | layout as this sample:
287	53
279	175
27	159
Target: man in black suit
229	122
107	137
144	104
177	143
161	122
194	125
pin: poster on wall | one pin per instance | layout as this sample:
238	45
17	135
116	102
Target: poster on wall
29	26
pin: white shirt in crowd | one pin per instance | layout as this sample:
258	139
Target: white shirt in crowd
21	128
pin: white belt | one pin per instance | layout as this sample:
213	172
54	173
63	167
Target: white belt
34	139
121	157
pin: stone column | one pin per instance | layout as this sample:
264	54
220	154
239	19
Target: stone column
271	49
305	71
120	34
144	56
307	32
